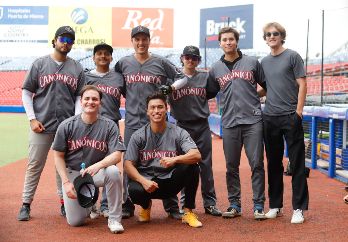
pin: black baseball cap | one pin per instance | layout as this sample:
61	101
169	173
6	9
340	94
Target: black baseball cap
87	192
191	50
103	46
65	30
140	29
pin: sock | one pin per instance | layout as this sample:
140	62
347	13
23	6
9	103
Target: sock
62	201
26	204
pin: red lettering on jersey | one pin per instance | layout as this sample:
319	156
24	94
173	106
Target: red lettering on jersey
235	74
142	78
189	91
66	79
87	142
112	91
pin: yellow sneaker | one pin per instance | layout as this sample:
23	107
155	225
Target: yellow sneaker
144	214
191	219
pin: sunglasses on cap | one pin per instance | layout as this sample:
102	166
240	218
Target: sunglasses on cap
275	34
65	39
192	57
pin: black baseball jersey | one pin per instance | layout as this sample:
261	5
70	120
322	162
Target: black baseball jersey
56	88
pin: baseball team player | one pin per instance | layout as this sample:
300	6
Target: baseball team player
189	106
236	76
286	94
94	140
161	160
145	73
111	84
50	94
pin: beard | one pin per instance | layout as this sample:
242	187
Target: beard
63	52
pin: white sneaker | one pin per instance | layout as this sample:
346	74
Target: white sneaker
115	227
274	212
94	212
105	213
297	217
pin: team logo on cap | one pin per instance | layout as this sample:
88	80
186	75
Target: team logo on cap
69	29
191	49
79	16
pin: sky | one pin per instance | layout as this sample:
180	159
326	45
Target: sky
292	14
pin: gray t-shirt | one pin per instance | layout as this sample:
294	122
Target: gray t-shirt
56	88
281	72
88	143
239	99
143	80
112	85
190	102
146	148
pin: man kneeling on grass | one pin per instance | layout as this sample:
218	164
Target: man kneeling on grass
161	160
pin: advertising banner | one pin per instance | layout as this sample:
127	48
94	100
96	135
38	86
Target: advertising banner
23	25
158	20
238	17
92	25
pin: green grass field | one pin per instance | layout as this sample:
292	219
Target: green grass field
13	137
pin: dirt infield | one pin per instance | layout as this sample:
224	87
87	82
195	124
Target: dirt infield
325	221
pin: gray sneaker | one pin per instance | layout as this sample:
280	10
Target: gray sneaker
24	213
231	213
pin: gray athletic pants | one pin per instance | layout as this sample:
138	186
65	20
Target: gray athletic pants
39	146
251	136
109	177
200	133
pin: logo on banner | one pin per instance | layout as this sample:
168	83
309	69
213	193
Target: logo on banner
79	16
1	12
159	22
238	17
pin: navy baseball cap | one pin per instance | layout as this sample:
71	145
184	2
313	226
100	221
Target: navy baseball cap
140	29
87	192
103	46
191	50
65	30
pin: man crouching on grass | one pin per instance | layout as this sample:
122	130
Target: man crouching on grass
161	160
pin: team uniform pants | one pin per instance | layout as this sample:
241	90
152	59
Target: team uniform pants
275	129
249	135
104	200
200	133
109	177
170	204
183	177
39	146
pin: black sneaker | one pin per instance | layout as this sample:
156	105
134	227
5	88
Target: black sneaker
212	210
62	210
24	213
126	213
175	214
231	213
